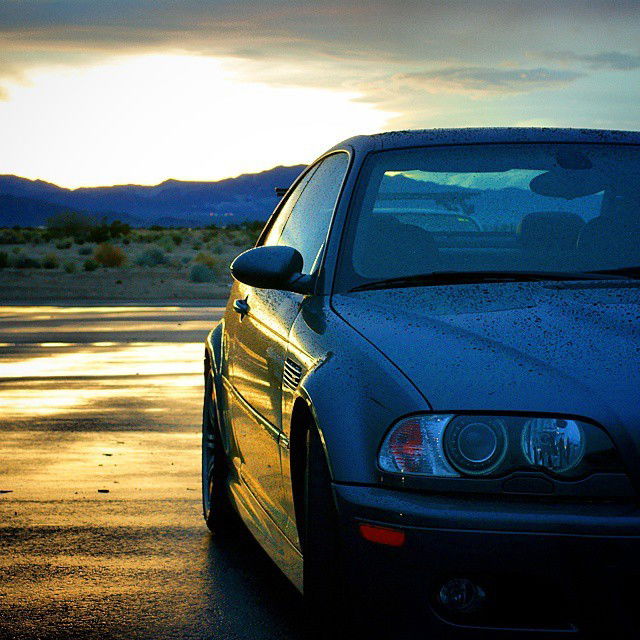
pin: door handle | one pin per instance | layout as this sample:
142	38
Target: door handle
241	306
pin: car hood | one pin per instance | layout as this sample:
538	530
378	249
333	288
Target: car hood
558	347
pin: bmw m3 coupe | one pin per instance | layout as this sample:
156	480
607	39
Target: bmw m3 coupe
423	399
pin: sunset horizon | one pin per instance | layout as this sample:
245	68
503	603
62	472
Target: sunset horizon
153	184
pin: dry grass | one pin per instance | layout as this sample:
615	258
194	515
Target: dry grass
146	264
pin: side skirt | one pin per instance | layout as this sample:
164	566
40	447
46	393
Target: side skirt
267	533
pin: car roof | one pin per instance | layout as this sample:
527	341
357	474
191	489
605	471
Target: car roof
484	135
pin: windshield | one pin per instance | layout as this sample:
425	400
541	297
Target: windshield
495	207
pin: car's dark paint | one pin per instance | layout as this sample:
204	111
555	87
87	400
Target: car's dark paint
582	560
554	348
272	267
349	363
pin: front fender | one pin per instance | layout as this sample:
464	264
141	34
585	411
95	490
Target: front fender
213	348
353	391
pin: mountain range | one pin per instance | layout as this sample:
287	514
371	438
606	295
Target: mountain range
251	196
176	203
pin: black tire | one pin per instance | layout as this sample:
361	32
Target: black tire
216	505
324	594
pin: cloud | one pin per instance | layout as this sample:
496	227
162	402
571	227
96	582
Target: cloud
332	44
415	57
410	30
608	61
482	81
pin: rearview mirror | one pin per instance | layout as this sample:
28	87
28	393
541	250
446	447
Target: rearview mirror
567	184
273	267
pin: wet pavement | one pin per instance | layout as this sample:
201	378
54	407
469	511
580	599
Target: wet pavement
101	533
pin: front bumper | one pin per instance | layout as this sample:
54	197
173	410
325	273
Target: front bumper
551	568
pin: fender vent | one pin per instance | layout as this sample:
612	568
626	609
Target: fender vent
291	374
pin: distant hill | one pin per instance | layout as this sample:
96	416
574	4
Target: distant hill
15	210
171	203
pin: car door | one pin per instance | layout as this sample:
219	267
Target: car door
258	322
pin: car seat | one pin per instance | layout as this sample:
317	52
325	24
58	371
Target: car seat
387	248
548	239
609	241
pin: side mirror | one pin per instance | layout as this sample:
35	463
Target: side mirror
273	267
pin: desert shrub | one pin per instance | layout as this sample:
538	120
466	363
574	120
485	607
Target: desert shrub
201	273
166	243
185	260
151	257
51	261
109	256
69	266
4	259
69	224
126	241
216	263
64	244
216	246
33	236
205	259
85	251
252	231
100	233
176	238
11	236
90	265
118	229
197	246
150	236
25	262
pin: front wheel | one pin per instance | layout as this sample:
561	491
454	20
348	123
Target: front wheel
324	593
216	505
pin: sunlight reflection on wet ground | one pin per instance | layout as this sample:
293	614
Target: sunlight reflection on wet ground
118	380
101	533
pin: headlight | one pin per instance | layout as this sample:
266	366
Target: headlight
555	444
477	445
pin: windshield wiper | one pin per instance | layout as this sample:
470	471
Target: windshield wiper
435	278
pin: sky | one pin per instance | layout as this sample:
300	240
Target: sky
100	92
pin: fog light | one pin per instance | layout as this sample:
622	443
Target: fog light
461	595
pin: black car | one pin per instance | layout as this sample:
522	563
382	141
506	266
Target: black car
424	397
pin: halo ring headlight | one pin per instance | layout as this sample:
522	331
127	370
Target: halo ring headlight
475	445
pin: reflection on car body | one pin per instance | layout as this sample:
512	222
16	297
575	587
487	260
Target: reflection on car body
424	390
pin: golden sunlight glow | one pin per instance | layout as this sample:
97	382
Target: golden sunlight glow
36	401
147	118
144	359
99	378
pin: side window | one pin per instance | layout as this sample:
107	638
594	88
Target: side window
308	224
273	235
